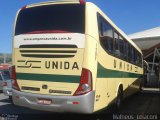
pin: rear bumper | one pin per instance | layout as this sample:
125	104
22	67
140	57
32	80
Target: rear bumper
7	91
60	103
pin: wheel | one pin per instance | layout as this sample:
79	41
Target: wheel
119	99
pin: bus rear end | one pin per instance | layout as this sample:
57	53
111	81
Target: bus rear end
48	54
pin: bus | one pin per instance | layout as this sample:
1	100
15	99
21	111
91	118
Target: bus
68	56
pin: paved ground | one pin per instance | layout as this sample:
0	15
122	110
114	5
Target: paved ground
144	103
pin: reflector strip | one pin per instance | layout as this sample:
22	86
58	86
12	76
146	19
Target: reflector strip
75	103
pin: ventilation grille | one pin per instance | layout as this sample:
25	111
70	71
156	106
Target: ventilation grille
48	53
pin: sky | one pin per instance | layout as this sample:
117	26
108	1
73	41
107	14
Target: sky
129	15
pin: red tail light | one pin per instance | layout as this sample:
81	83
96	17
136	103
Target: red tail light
13	73
24	7
85	85
4	84
47	31
82	1
14	82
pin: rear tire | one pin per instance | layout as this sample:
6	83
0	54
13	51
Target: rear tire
119	99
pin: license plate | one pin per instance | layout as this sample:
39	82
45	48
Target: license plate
44	101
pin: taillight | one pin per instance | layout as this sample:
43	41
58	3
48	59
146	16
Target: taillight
85	85
82	1
47	31
14	82
13	73
4	84
24	7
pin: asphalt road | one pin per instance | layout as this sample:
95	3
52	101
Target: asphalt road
144	103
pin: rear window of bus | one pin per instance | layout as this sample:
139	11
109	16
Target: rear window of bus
62	17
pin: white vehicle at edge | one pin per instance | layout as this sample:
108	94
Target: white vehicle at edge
6	83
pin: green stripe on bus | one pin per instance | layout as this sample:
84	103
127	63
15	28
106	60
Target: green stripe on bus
48	77
107	73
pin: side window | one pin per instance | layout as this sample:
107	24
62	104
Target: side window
116	38
139	60
129	52
135	57
106	35
100	26
121	46
114	43
132	52
125	49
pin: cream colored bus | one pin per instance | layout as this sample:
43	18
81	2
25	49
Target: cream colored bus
70	57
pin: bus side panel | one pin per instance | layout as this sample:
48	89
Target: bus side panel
90	58
108	76
111	76
105	86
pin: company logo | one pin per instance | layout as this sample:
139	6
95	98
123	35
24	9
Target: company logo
61	65
48	65
28	64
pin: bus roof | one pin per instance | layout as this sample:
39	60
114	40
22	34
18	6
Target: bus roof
53	2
